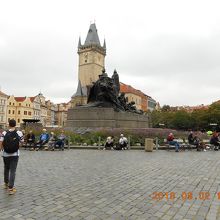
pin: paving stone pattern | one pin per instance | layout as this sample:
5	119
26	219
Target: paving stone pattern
96	184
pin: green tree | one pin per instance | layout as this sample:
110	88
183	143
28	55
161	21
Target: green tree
181	120
165	108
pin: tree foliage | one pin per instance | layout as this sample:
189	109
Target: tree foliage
202	119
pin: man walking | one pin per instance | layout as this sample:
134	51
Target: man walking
9	144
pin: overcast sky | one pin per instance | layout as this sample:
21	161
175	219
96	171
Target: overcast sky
169	49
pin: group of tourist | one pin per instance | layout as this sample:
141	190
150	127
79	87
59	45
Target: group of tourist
121	145
12	139
49	141
193	139
10	142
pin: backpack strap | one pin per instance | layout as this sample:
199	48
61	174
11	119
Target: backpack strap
5	133
16	132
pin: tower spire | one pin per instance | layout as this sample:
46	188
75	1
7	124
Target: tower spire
92	36
91	57
104	45
79	44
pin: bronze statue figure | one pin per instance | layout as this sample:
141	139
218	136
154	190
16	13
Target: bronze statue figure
105	93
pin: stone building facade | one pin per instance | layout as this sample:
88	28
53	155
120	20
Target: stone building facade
3	109
19	108
62	113
36	107
91	57
91	63
136	96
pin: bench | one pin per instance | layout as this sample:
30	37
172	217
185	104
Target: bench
189	146
172	147
45	146
207	144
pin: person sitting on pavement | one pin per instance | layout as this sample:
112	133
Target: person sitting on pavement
215	141
52	141
30	139
171	141
109	144
123	142
61	141
44	138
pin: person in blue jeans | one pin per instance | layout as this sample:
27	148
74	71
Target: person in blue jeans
44	138
10	159
61	140
170	140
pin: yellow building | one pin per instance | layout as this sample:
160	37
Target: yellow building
142	101
19	108
3	109
134	95
36	107
91	63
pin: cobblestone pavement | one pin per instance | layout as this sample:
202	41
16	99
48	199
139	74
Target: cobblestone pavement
93	184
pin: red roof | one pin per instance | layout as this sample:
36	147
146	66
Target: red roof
20	99
129	89
32	98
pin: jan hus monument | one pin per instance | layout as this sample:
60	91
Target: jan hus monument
98	102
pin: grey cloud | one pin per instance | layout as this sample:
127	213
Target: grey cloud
32	63
38	52
170	54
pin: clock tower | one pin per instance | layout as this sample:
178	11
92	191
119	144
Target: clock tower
91	57
91	63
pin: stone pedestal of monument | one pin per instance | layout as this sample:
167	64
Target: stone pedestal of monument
99	117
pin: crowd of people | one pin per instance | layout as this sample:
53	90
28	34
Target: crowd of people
194	140
46	140
12	139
